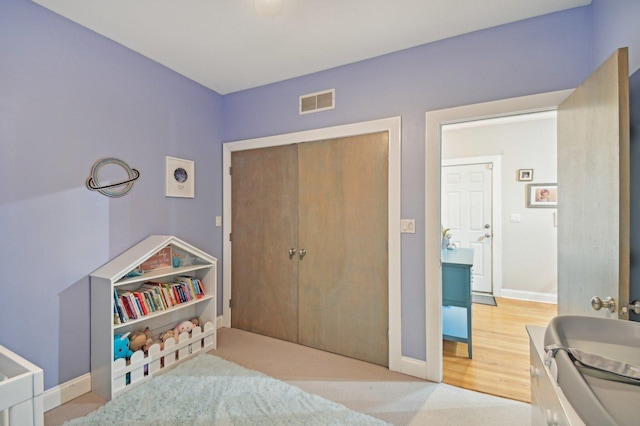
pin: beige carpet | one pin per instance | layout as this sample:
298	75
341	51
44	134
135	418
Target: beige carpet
360	386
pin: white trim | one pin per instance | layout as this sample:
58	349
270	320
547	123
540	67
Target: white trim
496	212
219	322
414	367
67	391
434	121
393	126
530	296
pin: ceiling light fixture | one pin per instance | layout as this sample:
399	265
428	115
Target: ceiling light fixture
268	8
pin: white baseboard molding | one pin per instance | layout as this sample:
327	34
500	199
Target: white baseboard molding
67	391
530	296
219	322
413	367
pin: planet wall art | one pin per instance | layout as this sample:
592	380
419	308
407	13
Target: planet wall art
118	189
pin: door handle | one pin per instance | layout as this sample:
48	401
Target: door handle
635	307
292	252
608	303
302	253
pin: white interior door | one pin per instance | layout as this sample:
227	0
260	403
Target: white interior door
466	212
593	192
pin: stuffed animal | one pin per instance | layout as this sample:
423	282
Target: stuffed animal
196	322
137	340
184	326
121	346
164	336
150	341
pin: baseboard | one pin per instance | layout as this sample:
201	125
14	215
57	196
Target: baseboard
219	322
67	391
530	296
413	367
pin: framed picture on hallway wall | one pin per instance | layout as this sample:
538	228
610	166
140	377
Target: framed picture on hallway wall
180	179
525	174
542	195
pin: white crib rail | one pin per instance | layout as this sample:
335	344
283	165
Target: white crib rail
21	391
142	368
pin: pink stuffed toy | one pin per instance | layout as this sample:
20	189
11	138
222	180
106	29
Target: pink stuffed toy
184	326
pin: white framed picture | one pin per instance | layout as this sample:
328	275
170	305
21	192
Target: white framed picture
542	195
525	174
181	178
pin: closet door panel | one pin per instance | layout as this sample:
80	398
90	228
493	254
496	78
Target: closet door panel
264	295
343	226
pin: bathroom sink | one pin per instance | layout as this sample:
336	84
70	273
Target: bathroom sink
598	398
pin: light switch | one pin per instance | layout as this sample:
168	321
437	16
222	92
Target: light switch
514	218
218	220
408	226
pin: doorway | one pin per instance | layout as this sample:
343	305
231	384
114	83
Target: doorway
524	142
435	121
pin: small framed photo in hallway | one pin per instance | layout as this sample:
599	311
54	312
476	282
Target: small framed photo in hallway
525	174
542	195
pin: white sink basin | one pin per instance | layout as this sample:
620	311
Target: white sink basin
599	399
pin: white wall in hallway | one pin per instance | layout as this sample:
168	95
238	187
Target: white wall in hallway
524	142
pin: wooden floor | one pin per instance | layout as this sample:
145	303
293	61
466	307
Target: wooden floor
500	364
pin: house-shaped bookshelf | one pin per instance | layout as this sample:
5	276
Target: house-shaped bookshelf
155	285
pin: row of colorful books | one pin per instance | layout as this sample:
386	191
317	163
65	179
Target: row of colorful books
154	296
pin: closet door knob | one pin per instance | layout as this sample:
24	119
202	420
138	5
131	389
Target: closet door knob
302	253
292	252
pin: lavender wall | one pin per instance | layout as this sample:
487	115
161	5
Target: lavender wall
544	54
615	25
69	97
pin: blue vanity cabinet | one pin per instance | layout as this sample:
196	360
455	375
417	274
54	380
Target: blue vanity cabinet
456	295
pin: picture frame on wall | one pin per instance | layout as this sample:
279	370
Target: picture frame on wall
525	174
542	195
180	178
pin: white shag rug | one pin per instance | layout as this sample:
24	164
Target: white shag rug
208	390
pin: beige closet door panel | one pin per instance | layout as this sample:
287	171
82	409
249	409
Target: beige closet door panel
343	226
264	227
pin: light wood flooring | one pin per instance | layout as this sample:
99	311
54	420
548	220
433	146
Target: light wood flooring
500	364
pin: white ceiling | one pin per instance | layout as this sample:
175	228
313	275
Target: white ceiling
225	46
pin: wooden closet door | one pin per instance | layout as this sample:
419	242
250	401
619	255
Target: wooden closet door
264	278
343	226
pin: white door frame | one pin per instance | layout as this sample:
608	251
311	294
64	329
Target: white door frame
496	212
433	162
391	125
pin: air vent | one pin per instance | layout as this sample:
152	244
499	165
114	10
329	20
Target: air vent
319	101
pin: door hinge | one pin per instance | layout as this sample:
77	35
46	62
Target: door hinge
230	234
229	303
229	170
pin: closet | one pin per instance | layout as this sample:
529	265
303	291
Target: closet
309	244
